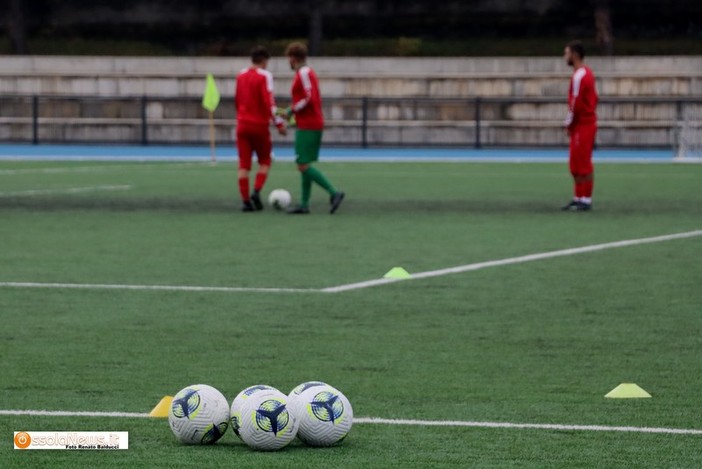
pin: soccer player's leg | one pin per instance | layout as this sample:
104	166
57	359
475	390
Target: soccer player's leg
583	169
263	148
582	139
587	169
573	167
245	149
307	146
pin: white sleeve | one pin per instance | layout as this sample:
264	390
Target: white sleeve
307	86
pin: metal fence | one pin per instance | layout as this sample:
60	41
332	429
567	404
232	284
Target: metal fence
354	121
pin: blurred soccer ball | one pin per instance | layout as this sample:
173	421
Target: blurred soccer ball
199	415
279	199
324	414
265	423
235	411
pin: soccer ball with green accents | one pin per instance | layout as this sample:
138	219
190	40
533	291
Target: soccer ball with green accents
264	420
324	413
235	410
279	199
199	415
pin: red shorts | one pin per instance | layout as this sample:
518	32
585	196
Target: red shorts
582	141
252	138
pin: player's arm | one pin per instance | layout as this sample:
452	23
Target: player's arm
577	105
304	74
269	100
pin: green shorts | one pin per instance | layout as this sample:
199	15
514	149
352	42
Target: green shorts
307	144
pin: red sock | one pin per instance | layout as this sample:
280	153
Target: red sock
260	181
244	188
587	188
578	190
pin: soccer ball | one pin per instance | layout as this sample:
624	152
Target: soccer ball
239	400
325	415
265	423
279	199
199	414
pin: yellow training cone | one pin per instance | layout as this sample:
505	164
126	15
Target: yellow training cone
397	272
161	409
627	391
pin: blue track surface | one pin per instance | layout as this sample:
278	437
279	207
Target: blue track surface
192	153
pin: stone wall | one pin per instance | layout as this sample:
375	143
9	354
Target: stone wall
412	101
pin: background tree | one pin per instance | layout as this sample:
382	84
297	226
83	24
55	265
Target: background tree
16	27
604	36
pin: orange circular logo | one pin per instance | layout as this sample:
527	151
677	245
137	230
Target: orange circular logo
23	440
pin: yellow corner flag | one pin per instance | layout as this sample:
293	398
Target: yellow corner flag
210	100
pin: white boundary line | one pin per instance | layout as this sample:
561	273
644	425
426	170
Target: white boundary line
93	169
535	426
67	190
349	159
368	283
383	421
69	413
515	260
98	286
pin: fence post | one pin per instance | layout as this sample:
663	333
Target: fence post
35	120
144	131
477	123
364	122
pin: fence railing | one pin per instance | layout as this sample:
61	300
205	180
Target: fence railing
358	121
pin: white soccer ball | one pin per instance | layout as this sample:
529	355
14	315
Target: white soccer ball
235	410
279	199
265	423
324	413
199	415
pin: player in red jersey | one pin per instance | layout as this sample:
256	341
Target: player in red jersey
255	107
581	125
307	108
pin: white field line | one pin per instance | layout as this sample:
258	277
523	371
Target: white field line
515	260
68	413
94	169
383	421
188	288
367	283
535	426
68	190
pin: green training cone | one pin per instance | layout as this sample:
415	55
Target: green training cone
627	391
397	272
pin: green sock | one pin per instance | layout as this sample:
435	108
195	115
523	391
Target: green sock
317	176
306	189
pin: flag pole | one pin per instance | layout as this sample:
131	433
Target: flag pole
210	101
213	158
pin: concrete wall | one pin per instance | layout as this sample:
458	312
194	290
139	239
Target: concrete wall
409	117
380	77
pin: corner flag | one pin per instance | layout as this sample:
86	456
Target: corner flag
210	100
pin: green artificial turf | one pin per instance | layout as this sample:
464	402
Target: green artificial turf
537	342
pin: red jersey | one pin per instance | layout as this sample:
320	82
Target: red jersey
582	98
307	102
254	100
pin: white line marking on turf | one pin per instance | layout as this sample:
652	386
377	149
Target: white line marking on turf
68	413
367	283
98	286
515	260
383	421
535	426
91	169
68	190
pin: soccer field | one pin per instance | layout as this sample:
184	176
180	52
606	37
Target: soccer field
99	262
